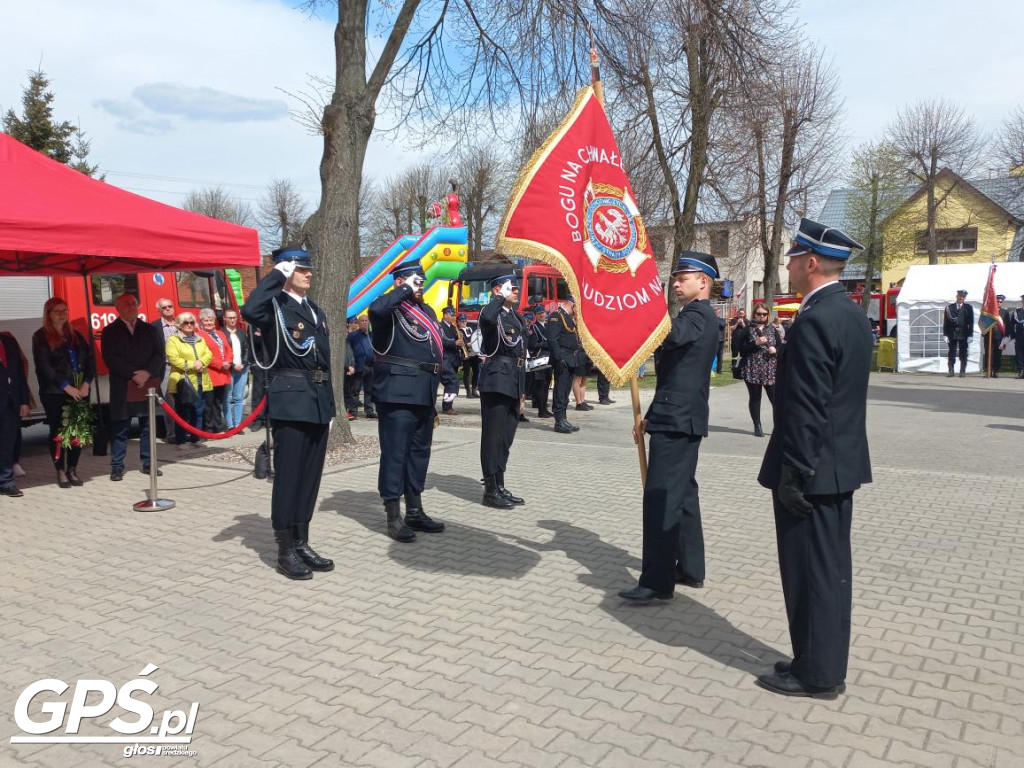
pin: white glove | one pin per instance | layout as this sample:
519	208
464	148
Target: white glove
506	290
416	281
286	268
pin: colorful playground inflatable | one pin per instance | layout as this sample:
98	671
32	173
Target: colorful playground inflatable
441	251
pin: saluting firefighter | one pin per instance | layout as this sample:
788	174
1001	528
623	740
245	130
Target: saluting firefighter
300	402
566	356
408	358
452	358
502	383
816	459
673	548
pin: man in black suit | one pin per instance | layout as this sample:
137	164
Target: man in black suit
502	383
958	328
300	402
13	407
134	353
816	459
450	367
541	378
564	346
407	366
673	547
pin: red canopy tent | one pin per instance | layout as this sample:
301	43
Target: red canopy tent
57	221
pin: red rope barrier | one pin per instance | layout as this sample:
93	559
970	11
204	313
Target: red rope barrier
212	435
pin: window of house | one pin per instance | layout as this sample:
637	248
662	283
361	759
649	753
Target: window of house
719	243
961	240
193	290
925	334
106	288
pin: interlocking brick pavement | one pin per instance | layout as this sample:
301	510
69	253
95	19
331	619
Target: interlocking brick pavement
502	642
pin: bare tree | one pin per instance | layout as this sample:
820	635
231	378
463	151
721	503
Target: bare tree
1008	147
929	136
483	176
877	180
282	211
216	203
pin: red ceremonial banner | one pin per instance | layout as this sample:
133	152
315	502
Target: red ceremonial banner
572	207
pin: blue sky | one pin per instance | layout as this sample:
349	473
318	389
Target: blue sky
178	95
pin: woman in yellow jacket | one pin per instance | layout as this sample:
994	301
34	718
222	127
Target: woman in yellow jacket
189	358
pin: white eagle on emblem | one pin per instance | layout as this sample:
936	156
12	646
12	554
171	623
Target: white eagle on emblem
613	231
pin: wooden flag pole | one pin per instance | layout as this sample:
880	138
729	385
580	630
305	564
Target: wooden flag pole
988	360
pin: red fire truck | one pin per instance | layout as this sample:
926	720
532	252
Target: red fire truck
539	284
882	309
91	305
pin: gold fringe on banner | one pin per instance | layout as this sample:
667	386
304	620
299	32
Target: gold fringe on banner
531	249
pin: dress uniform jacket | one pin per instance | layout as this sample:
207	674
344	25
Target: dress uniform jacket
821	397
308	397
683	364
563	340
958	322
503	347
125	352
407	368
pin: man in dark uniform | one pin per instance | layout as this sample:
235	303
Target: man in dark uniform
565	349
450	366
992	351
604	389
300	402
406	372
816	459
13	407
673	548
541	377
1015	330
958	328
502	382
470	360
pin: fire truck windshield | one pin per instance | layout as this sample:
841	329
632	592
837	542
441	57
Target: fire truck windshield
474	295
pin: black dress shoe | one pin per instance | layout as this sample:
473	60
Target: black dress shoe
416	518
493	496
65	483
11	490
783	668
288	561
563	427
545	415
686	581
573	427
522	417
74	479
117	474
503	491
300	534
787	685
397	529
605	401
643	595
371	414
159	472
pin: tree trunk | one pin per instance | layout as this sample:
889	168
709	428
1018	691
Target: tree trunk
701	111
773	255
932	210
871	254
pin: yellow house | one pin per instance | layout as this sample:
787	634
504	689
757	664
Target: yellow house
977	221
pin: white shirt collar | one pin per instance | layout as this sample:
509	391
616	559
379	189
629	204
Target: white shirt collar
808	295
295	296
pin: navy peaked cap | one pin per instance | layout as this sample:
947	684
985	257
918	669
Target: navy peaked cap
408	270
812	237
293	253
696	261
496	282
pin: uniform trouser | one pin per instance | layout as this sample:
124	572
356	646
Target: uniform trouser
499	415
405	433
470	373
367	385
997	354
817	581
672	527
259	389
300	448
10	428
450	383
1018	353
604	387
541	385
563	386
958	346
351	391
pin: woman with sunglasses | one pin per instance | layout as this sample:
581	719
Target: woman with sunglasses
189	359
759	349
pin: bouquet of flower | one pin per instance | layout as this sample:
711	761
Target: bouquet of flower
77	420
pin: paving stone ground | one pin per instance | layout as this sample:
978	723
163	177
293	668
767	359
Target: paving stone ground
502	642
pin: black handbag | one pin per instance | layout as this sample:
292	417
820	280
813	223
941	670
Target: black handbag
737	367
185	393
261	466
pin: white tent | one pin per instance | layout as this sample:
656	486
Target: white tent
927	290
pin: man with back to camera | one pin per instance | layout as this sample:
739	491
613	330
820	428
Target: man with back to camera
409	352
300	402
677	420
816	459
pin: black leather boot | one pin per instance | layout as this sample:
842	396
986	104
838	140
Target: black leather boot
288	561
416	518
397	529
500	477
306	553
963	370
492	495
561	425
950	374
758	432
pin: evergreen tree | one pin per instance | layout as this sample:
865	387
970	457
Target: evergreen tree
36	127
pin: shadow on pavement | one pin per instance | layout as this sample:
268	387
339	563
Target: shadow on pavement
461	549
253	533
681	622
1011	427
747	432
951	400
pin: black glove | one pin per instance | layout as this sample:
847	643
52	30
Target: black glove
791	492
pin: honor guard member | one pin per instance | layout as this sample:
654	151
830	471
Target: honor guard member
1015	330
958	328
470	359
407	365
300	402
450	366
816	459
502	382
673	547
542	377
995	351
565	349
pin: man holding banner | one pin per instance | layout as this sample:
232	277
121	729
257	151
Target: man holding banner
673	549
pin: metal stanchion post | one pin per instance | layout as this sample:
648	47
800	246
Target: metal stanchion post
153	502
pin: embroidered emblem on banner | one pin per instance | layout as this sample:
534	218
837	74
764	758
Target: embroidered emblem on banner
616	236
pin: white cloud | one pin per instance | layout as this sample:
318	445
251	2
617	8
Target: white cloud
203	103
